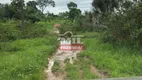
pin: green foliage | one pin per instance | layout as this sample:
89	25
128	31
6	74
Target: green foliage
124	27
33	30
67	25
72	5
64	14
32	13
17	7
118	24
50	17
11	31
85	23
9	11
73	72
74	13
44	3
105	6
13	11
79	70
1	11
56	67
25	59
116	61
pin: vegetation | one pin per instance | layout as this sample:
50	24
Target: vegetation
44	3
25	59
110	59
121	26
24	53
112	37
115	61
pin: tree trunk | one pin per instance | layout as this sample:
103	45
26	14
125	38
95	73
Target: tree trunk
22	14
42	10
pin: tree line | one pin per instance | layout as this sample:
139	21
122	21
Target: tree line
118	20
34	10
121	20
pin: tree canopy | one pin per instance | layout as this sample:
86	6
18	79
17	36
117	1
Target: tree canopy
44	3
71	5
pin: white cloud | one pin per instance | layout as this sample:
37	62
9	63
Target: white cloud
61	5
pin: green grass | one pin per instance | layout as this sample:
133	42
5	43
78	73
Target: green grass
116	60
25	59
80	70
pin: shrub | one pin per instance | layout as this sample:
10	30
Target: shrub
66	26
33	30
11	31
126	27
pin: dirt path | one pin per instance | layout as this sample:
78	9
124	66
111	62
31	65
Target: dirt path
99	74
59	56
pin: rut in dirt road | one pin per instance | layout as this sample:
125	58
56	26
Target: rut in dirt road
60	56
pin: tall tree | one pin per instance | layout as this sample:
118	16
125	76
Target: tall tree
71	5
74	12
44	3
1	11
105	6
8	12
32	13
32	4
17	6
64	14
109	6
22	13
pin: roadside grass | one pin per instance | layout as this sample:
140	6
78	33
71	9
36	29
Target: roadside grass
80	70
118	61
25	59
112	60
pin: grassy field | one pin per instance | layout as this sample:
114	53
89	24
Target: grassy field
114	61
25	59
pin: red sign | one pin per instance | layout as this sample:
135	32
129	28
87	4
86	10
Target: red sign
71	47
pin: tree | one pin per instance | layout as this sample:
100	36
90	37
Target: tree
1	11
74	12
9	12
32	4
105	6
71	5
22	13
31	12
17	6
44	3
64	14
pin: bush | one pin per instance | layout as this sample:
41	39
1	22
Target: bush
11	31
8	32
127	27
33	30
66	26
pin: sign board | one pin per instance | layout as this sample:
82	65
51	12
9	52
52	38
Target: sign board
70	42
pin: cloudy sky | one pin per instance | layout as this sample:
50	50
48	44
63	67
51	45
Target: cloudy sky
61	5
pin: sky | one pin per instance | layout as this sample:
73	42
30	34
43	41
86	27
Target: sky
61	5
